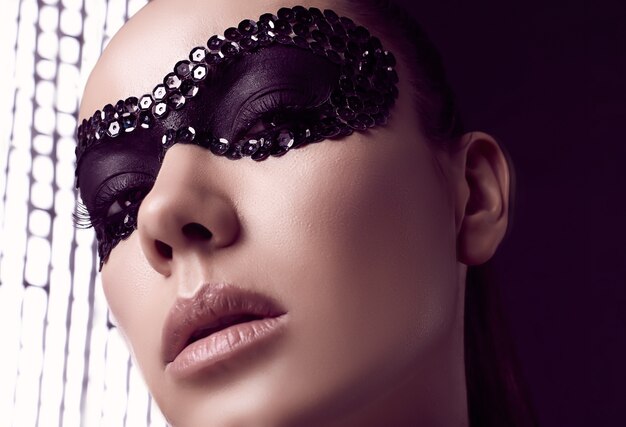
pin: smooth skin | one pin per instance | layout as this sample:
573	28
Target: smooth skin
365	242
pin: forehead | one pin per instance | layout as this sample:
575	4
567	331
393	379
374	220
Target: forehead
162	33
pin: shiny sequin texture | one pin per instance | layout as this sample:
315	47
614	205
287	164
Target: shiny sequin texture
365	92
366	89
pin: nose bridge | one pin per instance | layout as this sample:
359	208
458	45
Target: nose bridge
186	211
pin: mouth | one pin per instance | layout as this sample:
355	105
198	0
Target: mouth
221	324
214	325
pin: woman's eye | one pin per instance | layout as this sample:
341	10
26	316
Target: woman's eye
125	201
277	120
257	128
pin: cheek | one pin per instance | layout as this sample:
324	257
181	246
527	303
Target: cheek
363	249
129	286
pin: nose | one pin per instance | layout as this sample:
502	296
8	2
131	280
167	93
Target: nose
186	213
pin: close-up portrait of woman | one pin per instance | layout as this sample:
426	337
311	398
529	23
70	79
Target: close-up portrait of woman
283	218
286	220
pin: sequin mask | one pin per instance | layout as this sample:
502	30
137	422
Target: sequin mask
348	84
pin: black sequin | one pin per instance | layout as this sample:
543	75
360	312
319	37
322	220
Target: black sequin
131	105
199	72
230	50
267	18
176	100
169	138
119	108
146	101
286	14
113	129
249	43
189	89
347	23
219	146
145	119
160	110
282	26
232	34
248	27
325	27
303	16
159	92
316	14
359	34
301	30
183	68
265	39
185	135
346	114
249	147
172	81
215	43
284	138
337	43
198	54
331	16
262	153
108	112
129	122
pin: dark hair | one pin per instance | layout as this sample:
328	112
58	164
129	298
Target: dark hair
496	393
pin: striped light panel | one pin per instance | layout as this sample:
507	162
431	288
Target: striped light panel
62	363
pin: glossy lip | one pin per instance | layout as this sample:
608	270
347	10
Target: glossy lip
226	321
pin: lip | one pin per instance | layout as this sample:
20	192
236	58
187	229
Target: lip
217	323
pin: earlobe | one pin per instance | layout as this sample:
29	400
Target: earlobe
483	198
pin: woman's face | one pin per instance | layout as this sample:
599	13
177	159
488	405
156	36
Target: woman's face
334	265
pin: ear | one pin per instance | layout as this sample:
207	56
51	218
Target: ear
482	202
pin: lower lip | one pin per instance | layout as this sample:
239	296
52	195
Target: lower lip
221	346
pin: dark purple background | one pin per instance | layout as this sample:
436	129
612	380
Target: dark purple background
547	79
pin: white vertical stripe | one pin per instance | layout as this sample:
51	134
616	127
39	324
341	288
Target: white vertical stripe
116	393
11	298
31	357
156	417
97	361
138	402
8	40
56	339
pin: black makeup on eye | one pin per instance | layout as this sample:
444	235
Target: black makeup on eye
252	90
269	81
241	91
121	191
240	95
104	164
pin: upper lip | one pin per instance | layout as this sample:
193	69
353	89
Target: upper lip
212	308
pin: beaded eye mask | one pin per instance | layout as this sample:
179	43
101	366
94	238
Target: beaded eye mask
349	85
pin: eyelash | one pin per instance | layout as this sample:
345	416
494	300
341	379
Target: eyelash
112	191
281	102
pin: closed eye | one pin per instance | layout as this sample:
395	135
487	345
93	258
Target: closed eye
116	196
125	201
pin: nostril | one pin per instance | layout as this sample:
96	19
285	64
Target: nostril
163	249
196	231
